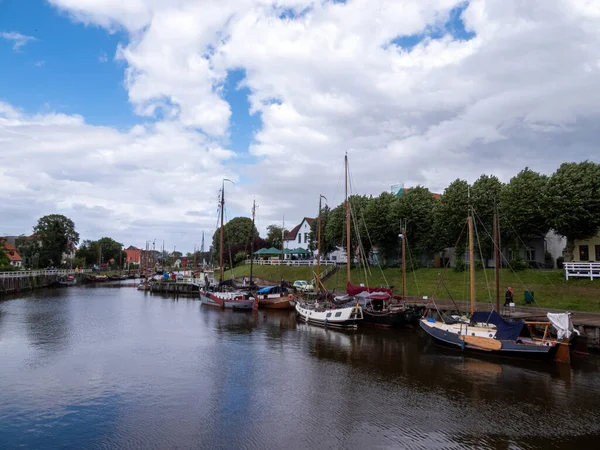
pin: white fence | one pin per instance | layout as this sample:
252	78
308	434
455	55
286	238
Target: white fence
35	273
589	270
290	262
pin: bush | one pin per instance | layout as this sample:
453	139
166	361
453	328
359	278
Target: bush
460	265
478	265
517	264
548	260
559	262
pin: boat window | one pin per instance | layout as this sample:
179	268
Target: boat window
328	314
338	314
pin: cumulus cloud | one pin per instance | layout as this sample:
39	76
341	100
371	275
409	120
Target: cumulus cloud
517	86
18	39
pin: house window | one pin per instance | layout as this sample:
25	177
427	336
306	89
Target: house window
334	258
530	254
584	254
306	237
299	238
598	253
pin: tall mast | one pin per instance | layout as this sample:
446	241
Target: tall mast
471	264
282	237
252	239
319	245
194	257
403	263
202	250
221	233
349	256
497	258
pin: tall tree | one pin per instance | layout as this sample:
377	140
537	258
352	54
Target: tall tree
56	233
485	196
451	214
382	226
88	252
327	245
417	207
4	260
274	236
572	202
522	206
29	249
236	238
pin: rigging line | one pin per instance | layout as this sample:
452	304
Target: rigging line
362	216
511	268
525	246
411	263
481	254
446	268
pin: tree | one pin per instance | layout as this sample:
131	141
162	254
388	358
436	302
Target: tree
236	237
451	214
382	225
4	260
274	236
101	252
522	204
572	202
56	233
417	207
485	195
327	246
29	249
88	252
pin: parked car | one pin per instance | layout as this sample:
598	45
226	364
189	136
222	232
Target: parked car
303	286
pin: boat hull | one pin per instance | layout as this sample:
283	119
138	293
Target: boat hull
278	303
388	319
347	318
226	300
502	348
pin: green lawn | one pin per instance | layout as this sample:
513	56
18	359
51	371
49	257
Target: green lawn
550	288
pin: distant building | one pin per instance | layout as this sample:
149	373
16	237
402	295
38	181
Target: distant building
399	190
12	254
134	255
299	236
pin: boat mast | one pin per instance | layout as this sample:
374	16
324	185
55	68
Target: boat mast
282	238
471	263
403	263
202	250
221	233
348	258
497	258
252	240
319	244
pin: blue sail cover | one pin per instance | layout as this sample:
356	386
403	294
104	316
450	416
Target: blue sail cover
505	331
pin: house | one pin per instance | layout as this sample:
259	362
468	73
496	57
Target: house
299	236
11	253
134	255
587	250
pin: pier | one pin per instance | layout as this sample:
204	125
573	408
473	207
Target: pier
24	280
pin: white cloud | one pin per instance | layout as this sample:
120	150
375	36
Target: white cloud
103	58
39	63
18	39
522	92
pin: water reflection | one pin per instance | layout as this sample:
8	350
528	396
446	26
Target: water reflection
118	368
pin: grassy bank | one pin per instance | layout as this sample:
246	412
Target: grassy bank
550	288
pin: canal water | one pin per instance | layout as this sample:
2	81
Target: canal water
117	368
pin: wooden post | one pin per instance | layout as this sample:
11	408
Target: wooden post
471	265
348	252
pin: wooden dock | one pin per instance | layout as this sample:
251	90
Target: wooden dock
25	280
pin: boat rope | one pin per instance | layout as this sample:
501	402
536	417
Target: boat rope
487	283
411	263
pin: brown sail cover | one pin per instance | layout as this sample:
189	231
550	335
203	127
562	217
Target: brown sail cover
355	290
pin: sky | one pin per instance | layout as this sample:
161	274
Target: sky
127	116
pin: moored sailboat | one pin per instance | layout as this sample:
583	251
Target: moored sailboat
489	333
325	313
237	300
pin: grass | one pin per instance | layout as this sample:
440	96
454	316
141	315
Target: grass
550	288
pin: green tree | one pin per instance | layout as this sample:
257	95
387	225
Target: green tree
572	202
236	237
274	236
485	196
417	207
88	252
327	246
4	260
111	249
29	249
451	214
522	206
382	226
56	234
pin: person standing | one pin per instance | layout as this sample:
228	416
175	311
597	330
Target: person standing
508	297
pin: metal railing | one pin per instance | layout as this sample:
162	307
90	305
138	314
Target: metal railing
37	273
589	270
291	262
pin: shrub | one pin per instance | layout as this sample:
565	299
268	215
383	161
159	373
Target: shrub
460	265
559	262
517	264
